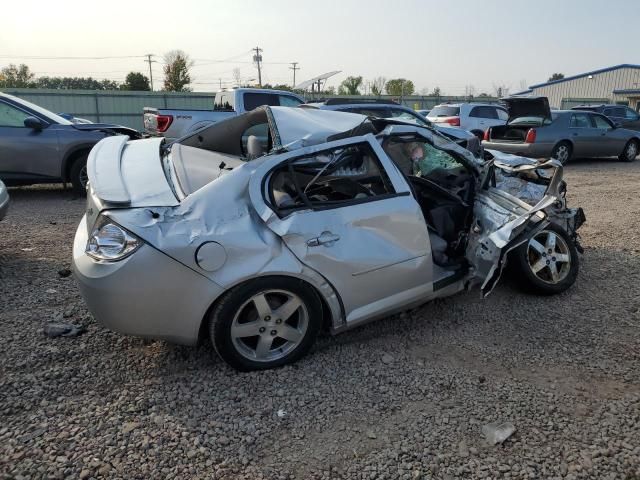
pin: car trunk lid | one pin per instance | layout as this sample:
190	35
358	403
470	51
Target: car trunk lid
129	173
520	107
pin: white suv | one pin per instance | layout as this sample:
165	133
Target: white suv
473	117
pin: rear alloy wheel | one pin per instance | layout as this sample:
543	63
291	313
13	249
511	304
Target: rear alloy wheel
78	175
548	263
562	152
630	151
265	323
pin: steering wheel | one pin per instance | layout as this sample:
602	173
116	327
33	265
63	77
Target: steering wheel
343	185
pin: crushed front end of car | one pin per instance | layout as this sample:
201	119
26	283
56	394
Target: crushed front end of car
517	197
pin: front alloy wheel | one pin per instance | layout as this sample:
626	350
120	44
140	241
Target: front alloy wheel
265	323
548	257
548	263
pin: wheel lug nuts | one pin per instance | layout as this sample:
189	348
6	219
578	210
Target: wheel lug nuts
279	321
273	333
262	329
267	318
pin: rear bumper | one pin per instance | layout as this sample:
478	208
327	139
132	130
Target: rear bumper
532	150
148	294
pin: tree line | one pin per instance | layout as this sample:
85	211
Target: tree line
176	78
20	76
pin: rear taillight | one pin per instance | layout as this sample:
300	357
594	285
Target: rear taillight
487	134
453	121
531	136
163	122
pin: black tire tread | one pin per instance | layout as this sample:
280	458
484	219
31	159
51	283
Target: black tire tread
74	173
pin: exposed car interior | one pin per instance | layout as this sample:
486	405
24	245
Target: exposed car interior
444	188
235	137
327	179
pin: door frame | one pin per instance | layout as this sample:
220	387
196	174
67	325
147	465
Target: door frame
391	301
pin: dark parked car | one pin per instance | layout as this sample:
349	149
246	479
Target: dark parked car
39	146
624	116
534	131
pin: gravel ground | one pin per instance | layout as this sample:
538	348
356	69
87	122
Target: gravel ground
405	397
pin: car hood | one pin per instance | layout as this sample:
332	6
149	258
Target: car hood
528	107
107	127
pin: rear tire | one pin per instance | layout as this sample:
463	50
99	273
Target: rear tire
78	175
548	263
265	323
630	151
562	152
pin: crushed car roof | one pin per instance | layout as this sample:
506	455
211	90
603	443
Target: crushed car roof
311	126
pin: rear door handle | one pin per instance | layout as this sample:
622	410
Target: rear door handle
325	238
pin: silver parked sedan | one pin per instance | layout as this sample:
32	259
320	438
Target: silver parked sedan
535	131
261	230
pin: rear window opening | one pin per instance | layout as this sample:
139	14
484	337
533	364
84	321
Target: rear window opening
253	100
444	111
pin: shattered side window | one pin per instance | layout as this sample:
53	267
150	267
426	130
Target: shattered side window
419	158
331	178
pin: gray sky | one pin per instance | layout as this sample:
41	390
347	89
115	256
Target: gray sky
433	43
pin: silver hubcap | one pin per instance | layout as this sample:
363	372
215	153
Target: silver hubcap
562	153
269	325
549	257
632	151
83	176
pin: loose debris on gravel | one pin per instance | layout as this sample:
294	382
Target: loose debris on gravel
402	398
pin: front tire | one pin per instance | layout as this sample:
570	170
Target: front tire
78	175
562	152
548	263
630	151
265	323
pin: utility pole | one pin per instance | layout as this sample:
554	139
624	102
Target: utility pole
258	58
294	68
149	61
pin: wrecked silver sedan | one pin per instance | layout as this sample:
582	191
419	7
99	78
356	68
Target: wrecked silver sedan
263	229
